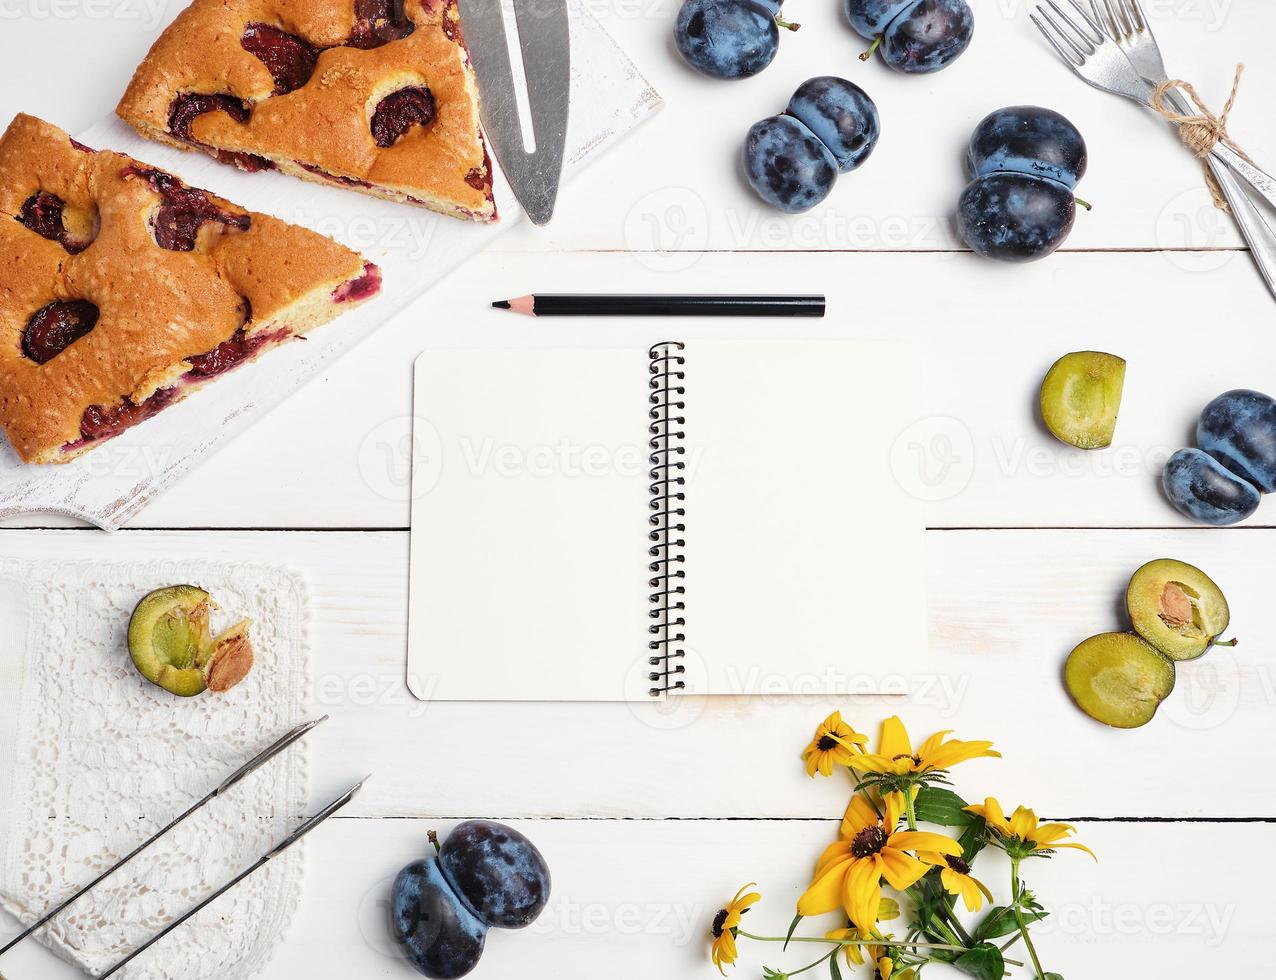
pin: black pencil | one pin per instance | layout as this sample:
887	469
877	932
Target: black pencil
590	304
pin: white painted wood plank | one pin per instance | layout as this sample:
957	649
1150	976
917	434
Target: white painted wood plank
636	899
677	184
339	453
1005	609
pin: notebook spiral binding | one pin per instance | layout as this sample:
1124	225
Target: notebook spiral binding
668	513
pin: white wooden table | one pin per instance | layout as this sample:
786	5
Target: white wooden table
651	819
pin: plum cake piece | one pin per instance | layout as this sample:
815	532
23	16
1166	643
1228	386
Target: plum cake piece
124	290
374	95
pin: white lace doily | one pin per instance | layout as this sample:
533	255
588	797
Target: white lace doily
95	759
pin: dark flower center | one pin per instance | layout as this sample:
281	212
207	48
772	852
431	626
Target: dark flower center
904	755
868	841
718	920
826	743
957	864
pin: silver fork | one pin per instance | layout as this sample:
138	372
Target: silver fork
1129	28
1096	60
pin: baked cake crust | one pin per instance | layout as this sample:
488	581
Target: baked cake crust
123	289
302	86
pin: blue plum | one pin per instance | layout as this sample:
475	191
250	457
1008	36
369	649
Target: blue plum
439	935
486	875
1238	428
841	115
1028	140
787	164
1015	217
728	39
870	17
498	871
1201	488
928	36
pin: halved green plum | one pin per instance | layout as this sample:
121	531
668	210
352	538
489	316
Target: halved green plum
1081	396
1177	608
1118	679
172	646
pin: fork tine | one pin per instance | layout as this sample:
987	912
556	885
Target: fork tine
1079	55
1138	19
1097	32
1087	44
1101	17
1071	60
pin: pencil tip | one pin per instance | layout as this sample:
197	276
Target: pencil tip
501	304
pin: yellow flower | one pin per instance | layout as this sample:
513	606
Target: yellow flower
887	909
724	949
835	744
895	755
1021	835
869	849
957	880
886	969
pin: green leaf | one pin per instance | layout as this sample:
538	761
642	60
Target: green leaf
983	962
941	806
792	926
1000	921
835	971
973	839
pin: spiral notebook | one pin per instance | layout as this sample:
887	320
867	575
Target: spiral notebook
704	517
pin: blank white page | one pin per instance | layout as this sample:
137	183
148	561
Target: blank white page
804	555
529	526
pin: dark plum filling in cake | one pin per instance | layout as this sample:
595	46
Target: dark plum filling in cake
183	210
108	421
379	22
190	105
400	111
42	213
368	284
55	327
290	59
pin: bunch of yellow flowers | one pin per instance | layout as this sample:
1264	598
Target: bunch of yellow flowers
879	846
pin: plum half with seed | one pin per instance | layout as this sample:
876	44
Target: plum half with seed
172	646
486	875
1081	396
1177	608
1118	679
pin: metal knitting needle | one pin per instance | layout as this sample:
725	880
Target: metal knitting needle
246	769
260	863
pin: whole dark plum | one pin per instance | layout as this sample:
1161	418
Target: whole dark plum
498	871
1029	140
870	17
728	39
788	165
928	36
1201	488
486	875
438	933
841	115
1238	428
1015	217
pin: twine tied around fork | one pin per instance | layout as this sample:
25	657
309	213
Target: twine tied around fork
1202	131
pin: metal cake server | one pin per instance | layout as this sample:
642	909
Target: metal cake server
544	43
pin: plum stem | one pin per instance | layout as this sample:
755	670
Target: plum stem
871	49
1233	642
433	838
1085	204
781	22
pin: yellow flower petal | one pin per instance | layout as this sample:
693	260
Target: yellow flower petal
862	895
894	739
1022	823
859	815
901	870
827	891
921	840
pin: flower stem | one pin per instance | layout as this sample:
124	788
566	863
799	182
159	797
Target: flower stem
950	905
1023	926
909	808
829	955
